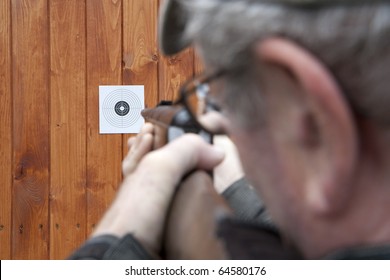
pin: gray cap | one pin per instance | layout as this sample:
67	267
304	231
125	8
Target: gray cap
172	20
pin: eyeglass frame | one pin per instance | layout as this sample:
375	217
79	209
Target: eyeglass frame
185	91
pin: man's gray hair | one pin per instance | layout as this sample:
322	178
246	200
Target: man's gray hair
353	41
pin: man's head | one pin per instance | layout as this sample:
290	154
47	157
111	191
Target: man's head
307	94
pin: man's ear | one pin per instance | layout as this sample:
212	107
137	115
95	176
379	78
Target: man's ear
313	127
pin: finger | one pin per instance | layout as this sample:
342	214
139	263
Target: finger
186	153
134	141
146	128
191	151
215	122
144	147
136	154
130	142
226	144
230	170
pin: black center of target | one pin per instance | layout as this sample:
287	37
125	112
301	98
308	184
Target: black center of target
122	108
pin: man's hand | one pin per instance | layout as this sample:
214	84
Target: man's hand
138	146
230	169
151	177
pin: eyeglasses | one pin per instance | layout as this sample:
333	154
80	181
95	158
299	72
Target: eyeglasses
196	98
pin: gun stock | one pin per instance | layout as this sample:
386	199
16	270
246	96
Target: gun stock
191	225
191	222
162	117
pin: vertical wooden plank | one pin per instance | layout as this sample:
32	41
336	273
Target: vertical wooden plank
104	67
5	130
174	71
140	54
30	58
68	209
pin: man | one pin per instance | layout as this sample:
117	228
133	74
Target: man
304	87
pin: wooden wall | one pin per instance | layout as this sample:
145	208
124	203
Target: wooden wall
58	175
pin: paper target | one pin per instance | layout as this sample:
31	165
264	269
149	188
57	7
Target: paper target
120	109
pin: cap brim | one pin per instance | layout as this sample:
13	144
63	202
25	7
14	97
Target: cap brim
171	28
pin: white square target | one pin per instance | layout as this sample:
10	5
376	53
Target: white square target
120	109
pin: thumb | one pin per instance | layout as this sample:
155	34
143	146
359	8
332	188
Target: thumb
183	155
191	151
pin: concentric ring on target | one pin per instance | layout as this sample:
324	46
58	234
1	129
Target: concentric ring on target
122	108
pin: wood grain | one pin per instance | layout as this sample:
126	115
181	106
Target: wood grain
173	72
140	54
198	64
58	173
30	84
104	67
5	130
68	211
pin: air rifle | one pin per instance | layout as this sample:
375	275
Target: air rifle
191	222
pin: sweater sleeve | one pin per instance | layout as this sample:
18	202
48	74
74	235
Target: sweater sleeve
241	197
246	204
109	247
